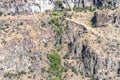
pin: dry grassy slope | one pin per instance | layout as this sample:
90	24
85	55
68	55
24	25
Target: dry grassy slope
24	32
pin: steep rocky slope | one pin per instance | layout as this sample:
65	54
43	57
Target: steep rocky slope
87	52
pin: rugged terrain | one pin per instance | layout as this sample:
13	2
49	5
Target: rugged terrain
87	53
63	44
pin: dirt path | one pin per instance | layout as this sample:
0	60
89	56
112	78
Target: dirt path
93	30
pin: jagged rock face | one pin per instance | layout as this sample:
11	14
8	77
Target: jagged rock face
97	66
102	19
93	64
26	6
30	6
100	66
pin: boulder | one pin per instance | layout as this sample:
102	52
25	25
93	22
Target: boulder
102	19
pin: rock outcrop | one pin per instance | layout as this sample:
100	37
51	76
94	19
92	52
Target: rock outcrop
102	19
101	65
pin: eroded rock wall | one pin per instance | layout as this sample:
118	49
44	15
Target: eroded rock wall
32	6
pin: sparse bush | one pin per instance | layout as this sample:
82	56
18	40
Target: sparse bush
55	21
52	21
14	74
58	2
66	56
74	70
58	30
43	70
57	24
67	15
84	9
92	78
67	9
9	75
65	69
55	14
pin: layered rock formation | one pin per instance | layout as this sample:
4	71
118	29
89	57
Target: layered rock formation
31	6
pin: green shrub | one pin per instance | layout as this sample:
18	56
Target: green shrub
91	8
67	15
56	78
58	30
66	56
74	70
55	14
9	75
55	64
52	21
1	13
43	70
57	24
